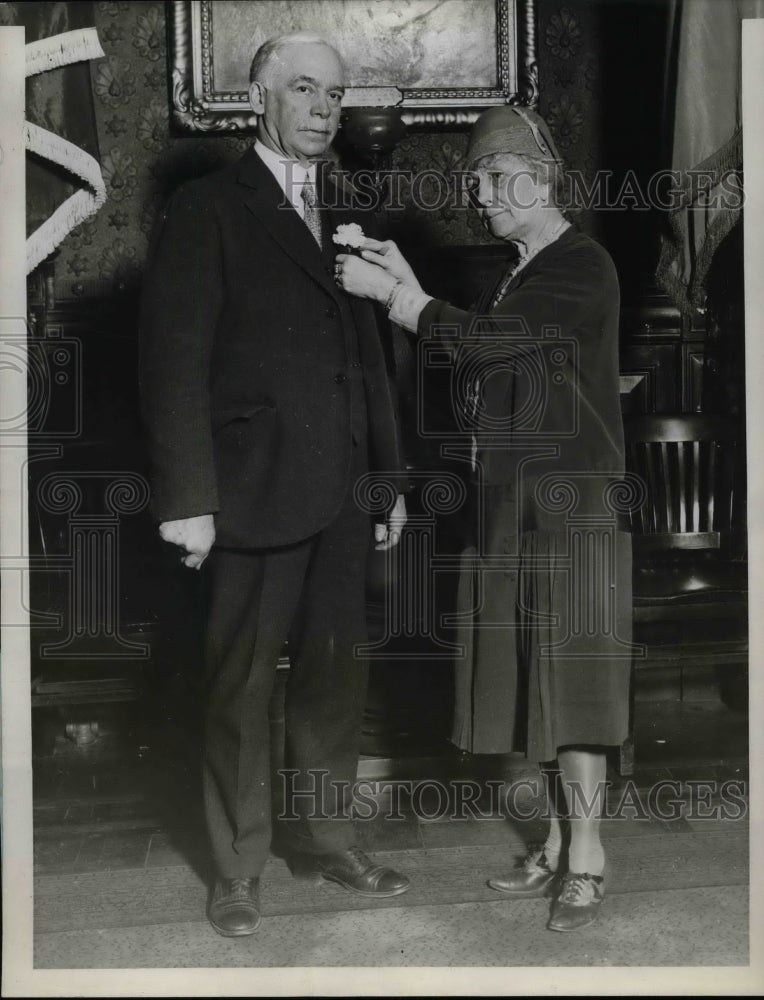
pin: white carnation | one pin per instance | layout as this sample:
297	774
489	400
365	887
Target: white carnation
350	235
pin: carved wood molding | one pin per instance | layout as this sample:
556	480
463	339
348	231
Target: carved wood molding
198	108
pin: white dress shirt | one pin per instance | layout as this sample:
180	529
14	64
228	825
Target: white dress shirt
290	174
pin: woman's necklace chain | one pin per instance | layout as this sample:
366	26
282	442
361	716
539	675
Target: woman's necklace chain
472	403
525	259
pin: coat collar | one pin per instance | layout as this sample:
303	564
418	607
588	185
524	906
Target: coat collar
264	198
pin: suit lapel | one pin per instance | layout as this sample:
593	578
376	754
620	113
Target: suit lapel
338	202
263	196
339	212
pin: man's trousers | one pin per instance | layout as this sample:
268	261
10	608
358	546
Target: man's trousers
311	594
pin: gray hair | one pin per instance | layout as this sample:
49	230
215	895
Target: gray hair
273	46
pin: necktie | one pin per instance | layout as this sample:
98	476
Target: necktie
312	212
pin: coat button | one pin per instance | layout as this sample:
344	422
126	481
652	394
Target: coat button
330	313
340	377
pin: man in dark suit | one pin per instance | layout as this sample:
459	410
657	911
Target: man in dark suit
265	395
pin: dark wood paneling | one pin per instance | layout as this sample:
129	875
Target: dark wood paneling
693	370
656	367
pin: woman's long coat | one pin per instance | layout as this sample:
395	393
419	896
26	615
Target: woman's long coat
545	589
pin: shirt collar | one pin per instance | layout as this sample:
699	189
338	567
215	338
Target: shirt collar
290	174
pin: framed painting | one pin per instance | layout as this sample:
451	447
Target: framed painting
440	61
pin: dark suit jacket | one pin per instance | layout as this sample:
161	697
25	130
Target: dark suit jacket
244	358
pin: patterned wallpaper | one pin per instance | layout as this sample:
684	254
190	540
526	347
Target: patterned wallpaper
142	164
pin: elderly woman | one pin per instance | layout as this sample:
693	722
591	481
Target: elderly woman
546	583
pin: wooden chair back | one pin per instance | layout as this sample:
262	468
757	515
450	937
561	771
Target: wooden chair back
686	462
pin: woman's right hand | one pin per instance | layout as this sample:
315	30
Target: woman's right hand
386	254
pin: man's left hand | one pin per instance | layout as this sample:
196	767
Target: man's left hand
388	534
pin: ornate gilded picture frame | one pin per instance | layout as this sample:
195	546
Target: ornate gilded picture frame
441	61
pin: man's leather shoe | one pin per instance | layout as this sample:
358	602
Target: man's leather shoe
534	876
234	909
352	869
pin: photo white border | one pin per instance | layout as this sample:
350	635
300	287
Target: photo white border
19	977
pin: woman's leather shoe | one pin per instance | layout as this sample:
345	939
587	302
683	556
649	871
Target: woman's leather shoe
578	903
353	870
533	877
234	909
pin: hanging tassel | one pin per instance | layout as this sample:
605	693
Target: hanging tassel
46	54
78	206
60	50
